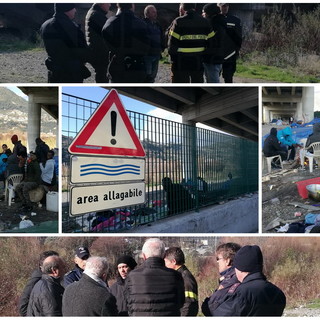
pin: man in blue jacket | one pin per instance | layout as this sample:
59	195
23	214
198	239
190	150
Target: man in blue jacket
287	142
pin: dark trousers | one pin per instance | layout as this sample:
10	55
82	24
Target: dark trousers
228	70
101	73
186	71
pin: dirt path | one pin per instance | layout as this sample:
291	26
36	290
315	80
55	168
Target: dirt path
29	67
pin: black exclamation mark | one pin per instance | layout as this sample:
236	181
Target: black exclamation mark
113	126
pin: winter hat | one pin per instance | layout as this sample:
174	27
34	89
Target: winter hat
211	9
63	7
249	259
82	253
14	138
129	261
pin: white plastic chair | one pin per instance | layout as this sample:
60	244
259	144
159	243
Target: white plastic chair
270	159
315	146
11	182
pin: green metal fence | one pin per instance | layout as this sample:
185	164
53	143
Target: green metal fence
186	168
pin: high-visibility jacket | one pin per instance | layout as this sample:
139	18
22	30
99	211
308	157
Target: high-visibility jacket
189	35
191	305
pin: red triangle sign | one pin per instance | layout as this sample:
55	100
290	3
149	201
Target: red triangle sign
108	131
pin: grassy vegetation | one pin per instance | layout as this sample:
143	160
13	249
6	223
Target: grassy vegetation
314	304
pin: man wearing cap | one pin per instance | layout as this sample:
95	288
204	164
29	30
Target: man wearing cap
81	256
66	46
90	296
18	146
233	42
125	264
254	295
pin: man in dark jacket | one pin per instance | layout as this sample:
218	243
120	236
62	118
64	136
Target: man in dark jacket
31	181
217	50
65	45
188	39
46	295
254	296
82	254
35	277
95	20
18	146
152	289
224	255
90	296
127	38
234	40
315	136
125	264
271	146
41	150
157	44
174	259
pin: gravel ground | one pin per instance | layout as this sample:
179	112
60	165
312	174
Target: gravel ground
29	67
301	312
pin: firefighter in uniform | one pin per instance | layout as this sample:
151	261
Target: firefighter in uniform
234	40
188	39
174	259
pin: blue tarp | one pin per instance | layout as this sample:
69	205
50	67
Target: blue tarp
298	132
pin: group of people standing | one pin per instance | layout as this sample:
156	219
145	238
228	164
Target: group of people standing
123	48
161	286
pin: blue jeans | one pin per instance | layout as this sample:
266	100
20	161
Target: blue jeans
212	72
151	65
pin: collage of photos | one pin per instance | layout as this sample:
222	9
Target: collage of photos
159	159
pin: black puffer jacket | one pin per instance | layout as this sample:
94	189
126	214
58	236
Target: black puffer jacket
255	296
25	296
191	306
46	298
118	290
154	290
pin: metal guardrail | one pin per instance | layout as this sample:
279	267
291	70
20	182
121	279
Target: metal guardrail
186	168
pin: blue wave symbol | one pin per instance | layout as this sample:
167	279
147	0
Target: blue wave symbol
102	169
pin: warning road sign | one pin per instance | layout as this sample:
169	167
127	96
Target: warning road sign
106	169
108	131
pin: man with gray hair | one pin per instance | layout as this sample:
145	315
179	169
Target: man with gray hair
152	289
46	296
90	296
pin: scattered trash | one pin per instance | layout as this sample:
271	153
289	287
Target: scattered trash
284	228
297	214
275	201
33	214
270	187
25	224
